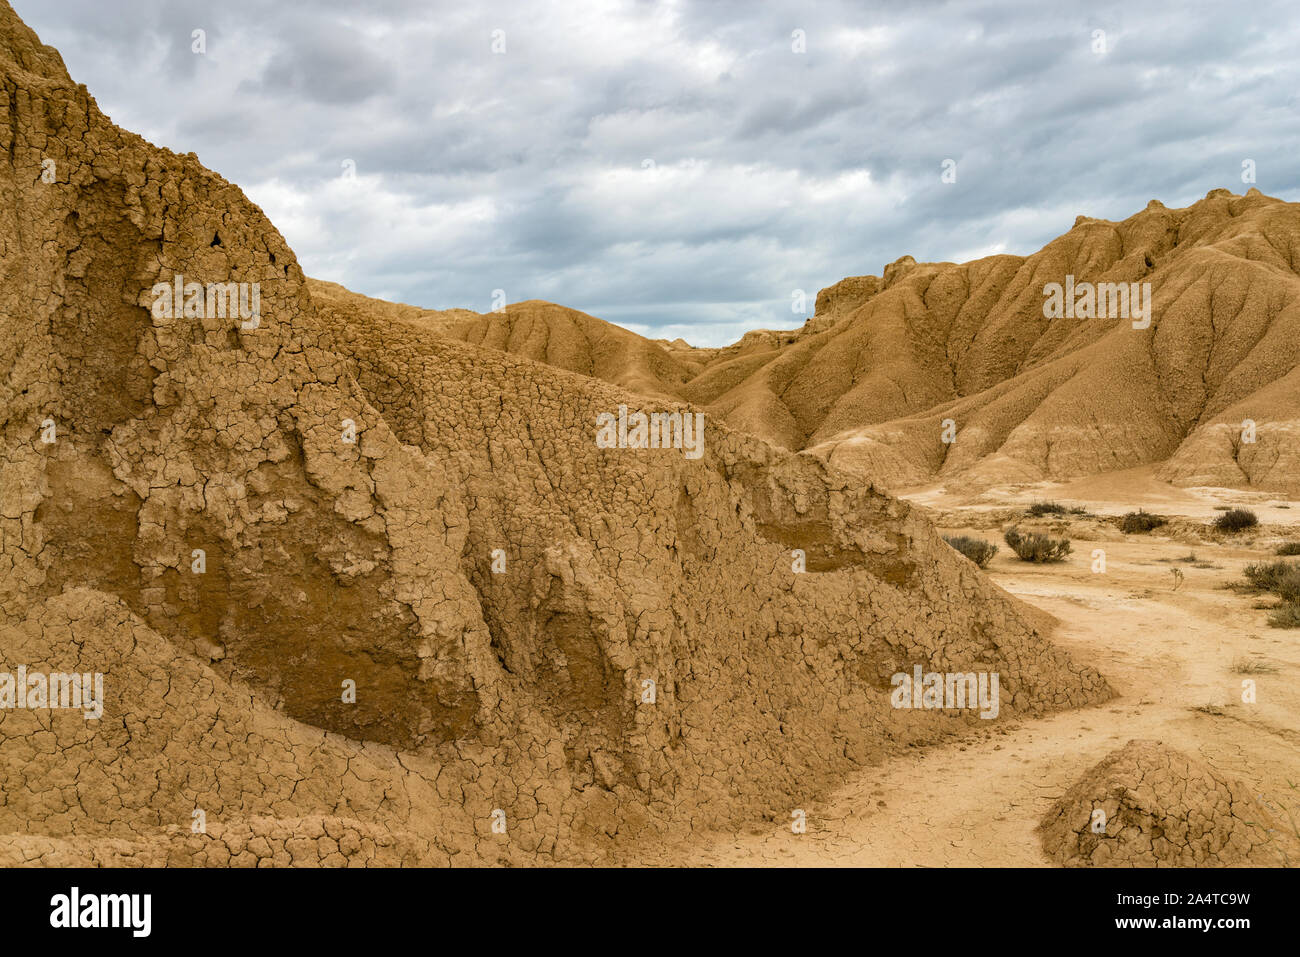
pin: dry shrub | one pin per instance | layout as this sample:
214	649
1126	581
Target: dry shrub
1034	547
1236	520
1137	522
1285	616
976	549
1280	578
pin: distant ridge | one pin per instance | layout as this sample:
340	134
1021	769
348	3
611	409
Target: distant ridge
1208	391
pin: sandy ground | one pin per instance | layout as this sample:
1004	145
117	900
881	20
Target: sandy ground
1113	493
1172	656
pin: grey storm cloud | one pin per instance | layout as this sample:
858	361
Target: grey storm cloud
325	64
677	167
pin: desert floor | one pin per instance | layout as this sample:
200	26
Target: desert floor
1173	657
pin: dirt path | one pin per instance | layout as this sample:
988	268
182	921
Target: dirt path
1166	653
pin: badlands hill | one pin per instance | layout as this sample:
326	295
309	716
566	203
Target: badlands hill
363	588
870	382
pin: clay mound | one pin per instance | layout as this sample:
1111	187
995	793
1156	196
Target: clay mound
577	342
544	332
359	590
1163	808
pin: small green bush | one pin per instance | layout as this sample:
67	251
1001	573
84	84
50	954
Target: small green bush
1236	519
1137	522
1033	547
1280	578
1253	666
1289	548
1039	509
1285	616
976	549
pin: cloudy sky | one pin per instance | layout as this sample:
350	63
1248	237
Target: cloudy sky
682	168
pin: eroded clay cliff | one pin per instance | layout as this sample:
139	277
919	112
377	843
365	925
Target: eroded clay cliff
362	593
